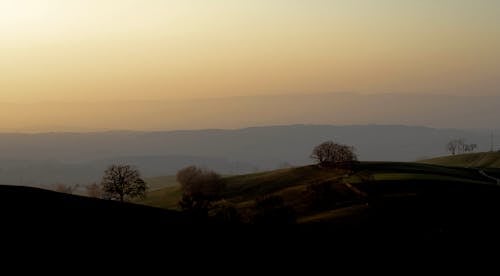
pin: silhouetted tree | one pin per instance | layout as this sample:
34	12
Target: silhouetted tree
457	146
330	153
454	146
200	187
123	181
470	147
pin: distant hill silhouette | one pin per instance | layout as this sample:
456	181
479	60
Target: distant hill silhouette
32	159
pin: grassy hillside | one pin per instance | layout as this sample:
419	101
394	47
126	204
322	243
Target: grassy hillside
160	182
350	194
244	187
166	198
477	160
249	186
366	201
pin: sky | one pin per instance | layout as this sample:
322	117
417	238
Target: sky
83	51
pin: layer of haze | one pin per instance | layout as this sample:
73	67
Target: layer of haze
115	51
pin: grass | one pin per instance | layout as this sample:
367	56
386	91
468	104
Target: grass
291	183
160	182
252	185
478	160
166	198
243	188
353	188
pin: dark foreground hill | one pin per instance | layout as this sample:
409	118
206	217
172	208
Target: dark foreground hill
38	209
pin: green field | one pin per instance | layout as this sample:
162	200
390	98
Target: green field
352	188
161	182
477	160
163	192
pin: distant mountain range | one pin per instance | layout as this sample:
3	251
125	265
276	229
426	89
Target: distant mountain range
49	158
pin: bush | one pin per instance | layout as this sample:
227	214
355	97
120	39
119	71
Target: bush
200	187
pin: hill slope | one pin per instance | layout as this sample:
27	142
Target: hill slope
362	201
295	181
371	200
35	207
475	160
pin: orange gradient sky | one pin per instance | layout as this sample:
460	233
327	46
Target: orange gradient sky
92	50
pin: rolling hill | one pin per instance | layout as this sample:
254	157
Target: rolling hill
37	207
406	196
370	201
476	160
362	200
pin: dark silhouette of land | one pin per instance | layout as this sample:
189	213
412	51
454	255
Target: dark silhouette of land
385	202
37	208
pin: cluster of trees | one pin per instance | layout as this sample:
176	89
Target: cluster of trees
458	146
200	188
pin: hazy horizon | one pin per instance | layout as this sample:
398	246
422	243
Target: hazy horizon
48	158
436	111
191	64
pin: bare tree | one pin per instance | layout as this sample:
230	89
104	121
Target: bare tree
470	147
452	146
457	146
330	152
123	181
94	190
